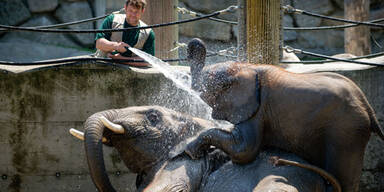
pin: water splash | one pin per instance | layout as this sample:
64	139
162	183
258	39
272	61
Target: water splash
180	78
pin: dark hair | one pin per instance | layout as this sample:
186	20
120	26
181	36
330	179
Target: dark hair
139	4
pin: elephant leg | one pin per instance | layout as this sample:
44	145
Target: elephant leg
241	144
345	163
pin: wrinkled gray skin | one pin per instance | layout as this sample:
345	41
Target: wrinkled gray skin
258	176
261	176
322	117
150	133
153	131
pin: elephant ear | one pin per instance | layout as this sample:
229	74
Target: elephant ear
241	96
218	77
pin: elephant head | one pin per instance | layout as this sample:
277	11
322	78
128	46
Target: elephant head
143	137
213	82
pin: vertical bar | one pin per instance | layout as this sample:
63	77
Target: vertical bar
242	29
357	39
263	31
166	37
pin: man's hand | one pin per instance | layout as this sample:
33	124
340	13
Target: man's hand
114	56
110	46
121	47
136	64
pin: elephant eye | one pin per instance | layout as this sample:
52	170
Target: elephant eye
153	117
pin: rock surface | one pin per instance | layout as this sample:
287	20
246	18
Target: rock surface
37	6
78	11
205	29
45	38
13	12
21	50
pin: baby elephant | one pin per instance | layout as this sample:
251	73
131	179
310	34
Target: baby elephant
322	117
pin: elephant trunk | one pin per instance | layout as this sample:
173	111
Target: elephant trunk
196	56
94	129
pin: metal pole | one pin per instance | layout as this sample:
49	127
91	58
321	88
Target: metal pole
263	26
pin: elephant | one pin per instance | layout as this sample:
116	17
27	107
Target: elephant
151	140
323	118
143	137
214	173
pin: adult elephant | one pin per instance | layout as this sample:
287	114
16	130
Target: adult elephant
322	117
143	137
149	139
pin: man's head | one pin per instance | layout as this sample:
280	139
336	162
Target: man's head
134	10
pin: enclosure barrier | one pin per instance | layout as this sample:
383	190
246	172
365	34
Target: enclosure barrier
95	90
287	9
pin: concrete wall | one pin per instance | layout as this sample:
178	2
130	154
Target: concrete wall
39	107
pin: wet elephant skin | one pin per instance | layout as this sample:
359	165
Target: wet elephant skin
322	117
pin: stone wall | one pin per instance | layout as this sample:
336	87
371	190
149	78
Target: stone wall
27	46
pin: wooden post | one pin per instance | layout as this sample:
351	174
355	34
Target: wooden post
357	39
163	11
263	25
242	30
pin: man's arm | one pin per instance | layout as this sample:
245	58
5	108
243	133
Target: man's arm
110	46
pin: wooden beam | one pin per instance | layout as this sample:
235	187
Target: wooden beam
263	31
242	30
357	39
163	11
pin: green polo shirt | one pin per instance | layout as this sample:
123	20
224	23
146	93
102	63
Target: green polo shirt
130	37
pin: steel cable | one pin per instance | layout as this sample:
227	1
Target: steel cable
68	23
329	61
298	51
13	28
289	9
88	58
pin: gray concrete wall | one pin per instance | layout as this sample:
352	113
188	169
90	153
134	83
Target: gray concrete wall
39	107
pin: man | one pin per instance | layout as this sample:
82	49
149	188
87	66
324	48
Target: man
114	45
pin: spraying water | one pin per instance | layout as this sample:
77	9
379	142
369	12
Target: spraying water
180	78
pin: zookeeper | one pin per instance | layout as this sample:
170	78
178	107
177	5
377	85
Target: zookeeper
114	45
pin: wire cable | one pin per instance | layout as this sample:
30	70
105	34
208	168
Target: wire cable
13	28
183	10
195	14
331	27
298	51
87	58
68	23
289	9
329	61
